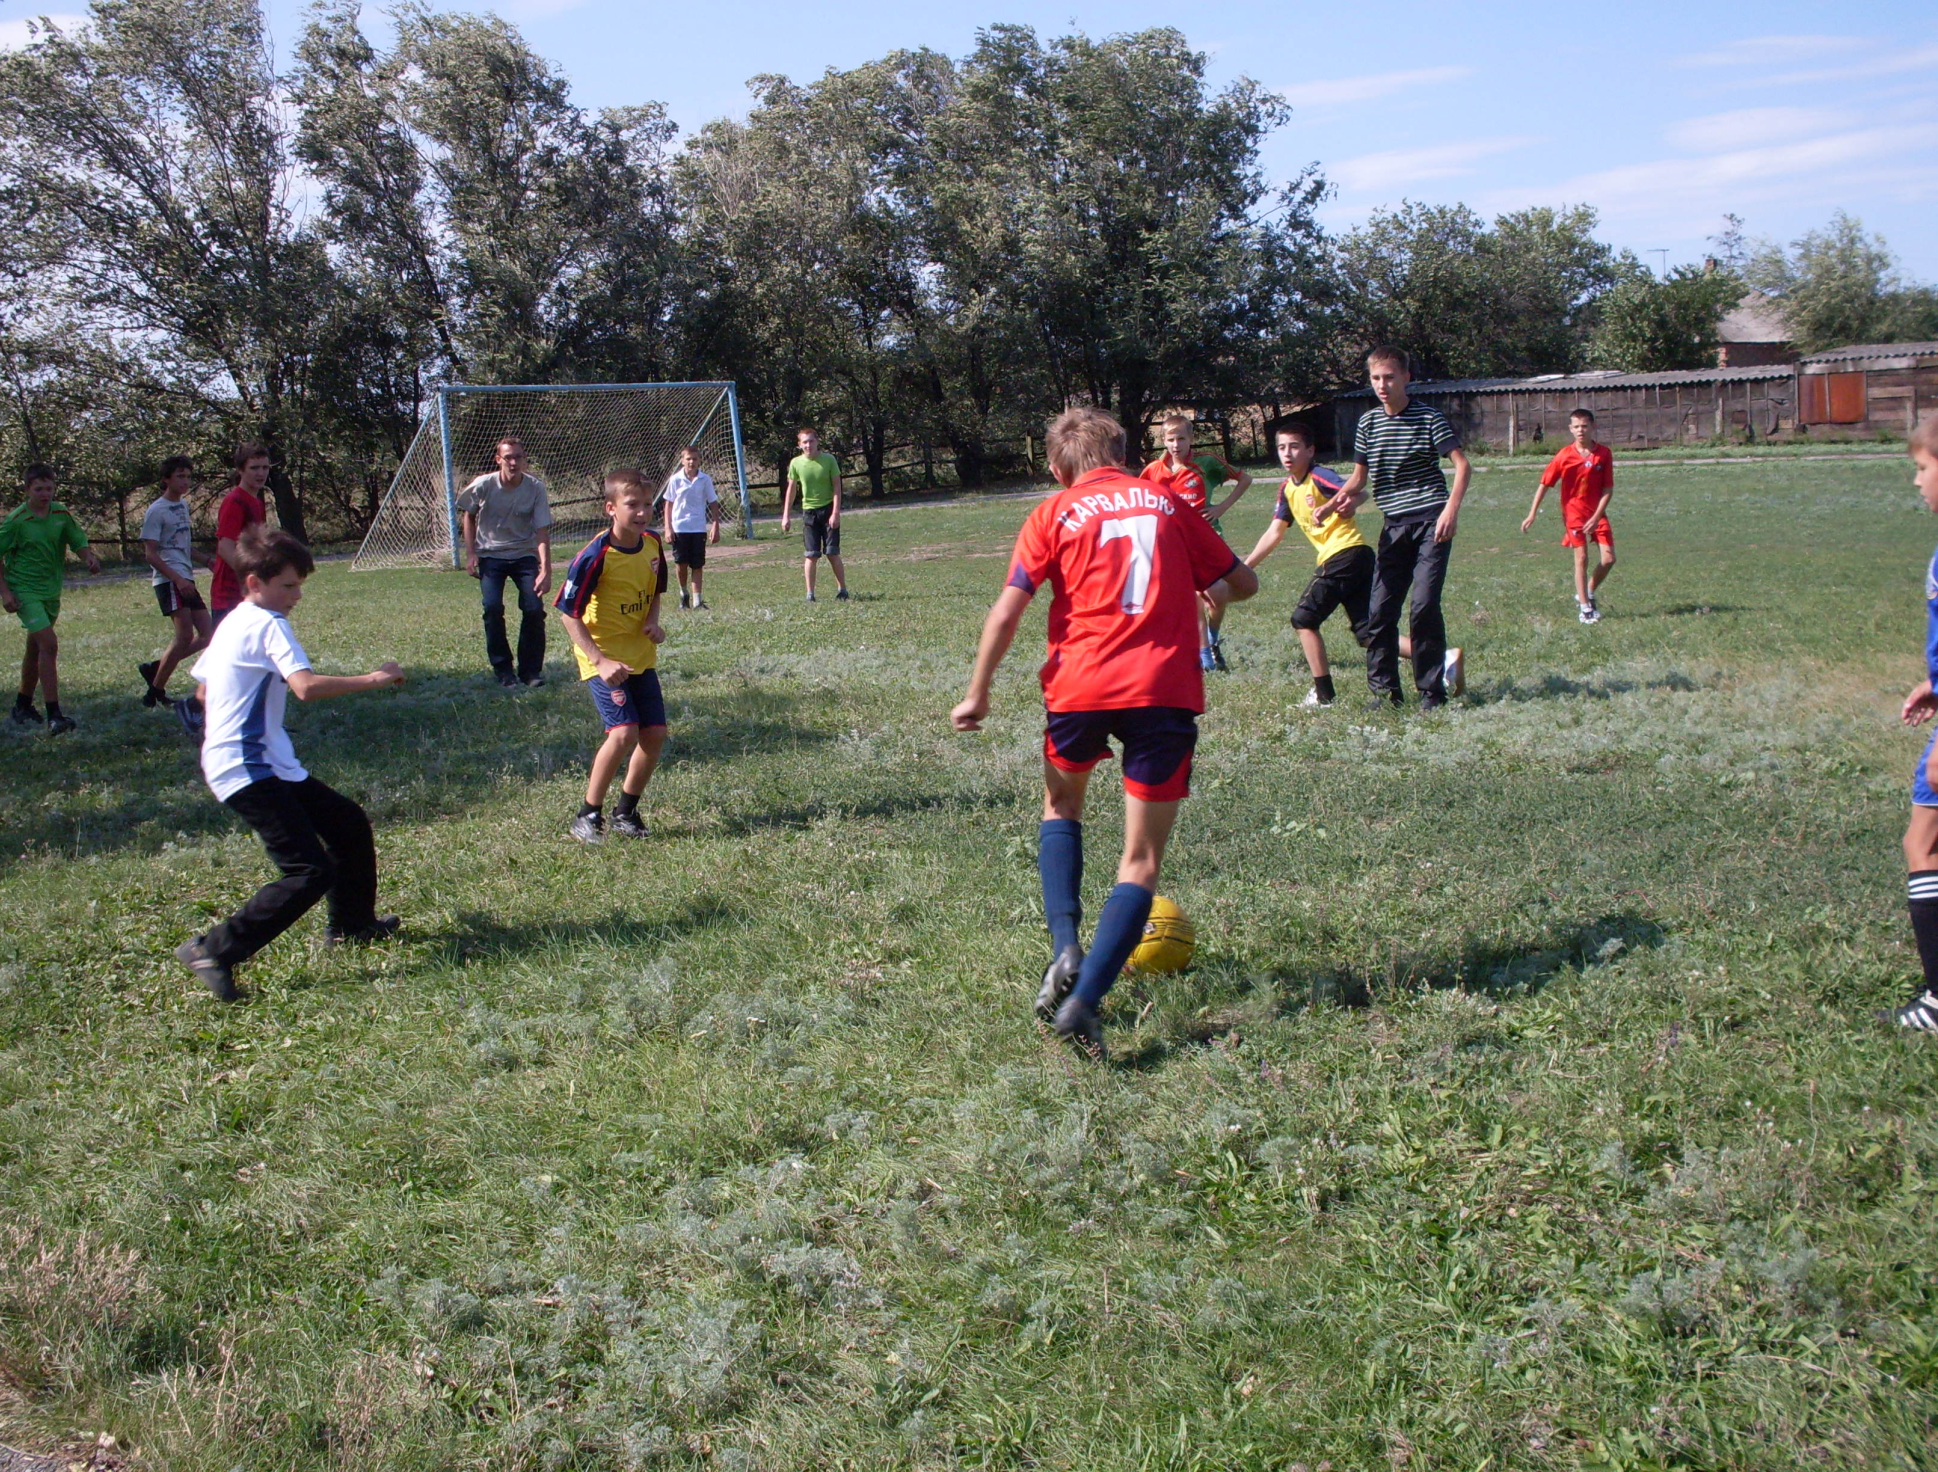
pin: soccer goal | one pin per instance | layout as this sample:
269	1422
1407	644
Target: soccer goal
573	434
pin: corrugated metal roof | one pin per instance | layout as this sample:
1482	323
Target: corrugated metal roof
1553	383
1886	350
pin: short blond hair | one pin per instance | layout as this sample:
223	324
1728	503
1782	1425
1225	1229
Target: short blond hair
618	482
1178	421
1925	435
1080	440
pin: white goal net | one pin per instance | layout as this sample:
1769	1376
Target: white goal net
573	435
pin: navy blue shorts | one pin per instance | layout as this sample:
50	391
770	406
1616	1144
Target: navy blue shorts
1921	794
1157	739
635	703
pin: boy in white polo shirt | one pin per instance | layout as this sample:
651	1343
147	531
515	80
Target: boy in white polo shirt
319	838
692	519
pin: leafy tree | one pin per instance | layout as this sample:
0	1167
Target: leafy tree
147	163
1649	326
1840	285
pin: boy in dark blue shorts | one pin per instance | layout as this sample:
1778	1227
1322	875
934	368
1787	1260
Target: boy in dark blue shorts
610	603
1125	560
1921	836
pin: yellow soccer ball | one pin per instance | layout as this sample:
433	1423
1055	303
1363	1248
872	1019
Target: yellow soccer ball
1169	940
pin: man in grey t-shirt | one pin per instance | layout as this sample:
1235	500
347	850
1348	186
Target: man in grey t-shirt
507	520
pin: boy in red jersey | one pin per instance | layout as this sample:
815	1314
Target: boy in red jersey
1585	471
241	509
1126	562
1193	477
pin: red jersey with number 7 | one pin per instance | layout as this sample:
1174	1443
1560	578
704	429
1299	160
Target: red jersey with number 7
1125	561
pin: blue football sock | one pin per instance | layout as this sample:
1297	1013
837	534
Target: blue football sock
1119	928
1059	858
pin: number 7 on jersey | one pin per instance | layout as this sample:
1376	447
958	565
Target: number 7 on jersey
1141	533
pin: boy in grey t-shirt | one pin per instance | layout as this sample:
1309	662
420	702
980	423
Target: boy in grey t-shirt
168	546
507	522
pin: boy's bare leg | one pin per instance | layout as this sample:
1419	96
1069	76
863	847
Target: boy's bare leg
1921	840
618	745
683	576
1406	647
1314	645
191	634
645	757
1063	793
1605	561
1147	829
698	574
1581	574
30	669
840	572
50	675
810	574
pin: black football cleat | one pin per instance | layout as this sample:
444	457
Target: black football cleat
1058	981
1077	1021
1920	1014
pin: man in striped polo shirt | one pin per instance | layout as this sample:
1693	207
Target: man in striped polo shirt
1396	454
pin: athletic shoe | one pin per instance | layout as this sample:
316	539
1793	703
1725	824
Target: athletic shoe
532	682
1057	981
214	975
1453	671
699	603
149	694
1077	1020
380	929
1433	702
508	680
1388	700
24	714
1918	1015
627	825
1313	700
1218	657
1205	661
682	597
812	599
59	725
1589	615
189	713
840	595
588	828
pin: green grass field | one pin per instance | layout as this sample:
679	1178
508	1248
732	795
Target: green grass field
1524	1108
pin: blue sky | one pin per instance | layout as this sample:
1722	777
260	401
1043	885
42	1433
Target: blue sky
1662	116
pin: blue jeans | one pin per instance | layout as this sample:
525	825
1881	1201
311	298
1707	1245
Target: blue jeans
523	572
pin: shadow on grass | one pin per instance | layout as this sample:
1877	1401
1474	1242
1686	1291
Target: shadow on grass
1502	972
1695	610
893	805
1557	686
475	935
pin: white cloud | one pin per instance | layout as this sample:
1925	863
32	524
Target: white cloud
1892	64
1345	91
16	34
1385	171
1771	50
1750	127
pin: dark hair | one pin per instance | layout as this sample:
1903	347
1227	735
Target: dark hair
508	439
1385	352
1296	426
37	470
619	481
251	450
1588	414
267	551
174	463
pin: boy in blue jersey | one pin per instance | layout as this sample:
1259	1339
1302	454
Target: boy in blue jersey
610	603
319	838
1921	836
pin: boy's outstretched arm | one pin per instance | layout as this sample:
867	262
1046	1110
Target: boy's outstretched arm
7	599
998	630
308	685
1349	496
1268	542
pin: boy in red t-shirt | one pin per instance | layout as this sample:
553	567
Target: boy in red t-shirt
241	509
1585	471
1126	562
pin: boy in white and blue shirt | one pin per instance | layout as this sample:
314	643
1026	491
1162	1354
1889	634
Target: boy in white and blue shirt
692	520
320	839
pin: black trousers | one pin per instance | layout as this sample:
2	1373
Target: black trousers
1409	563
321	840
522	573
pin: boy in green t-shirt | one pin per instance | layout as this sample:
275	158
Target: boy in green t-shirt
818	475
34	542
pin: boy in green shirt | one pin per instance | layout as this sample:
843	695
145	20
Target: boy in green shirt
819	477
34	542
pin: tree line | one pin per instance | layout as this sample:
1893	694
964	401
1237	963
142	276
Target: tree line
925	255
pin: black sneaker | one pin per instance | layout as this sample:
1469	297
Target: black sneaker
1432	702
508	680
24	714
149	694
627	825
840	595
699	603
1058	980
534	681
380	929
215	976
1920	1014
59	725
589	828
1218	657
189	713
1077	1020
1388	700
